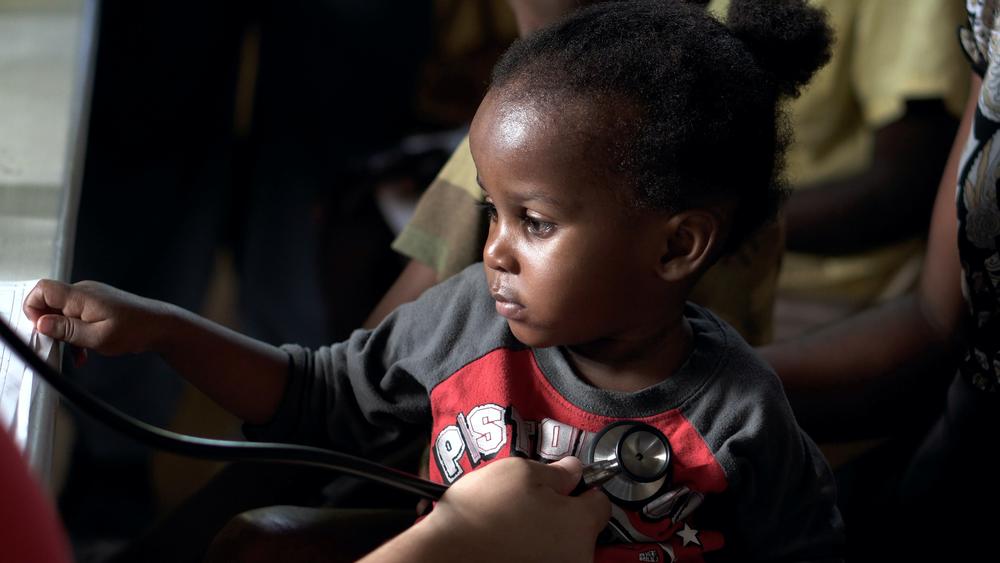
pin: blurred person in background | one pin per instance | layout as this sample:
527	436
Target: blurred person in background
261	132
233	125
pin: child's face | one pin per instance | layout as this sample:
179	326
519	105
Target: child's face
566	260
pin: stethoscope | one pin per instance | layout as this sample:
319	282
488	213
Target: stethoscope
629	460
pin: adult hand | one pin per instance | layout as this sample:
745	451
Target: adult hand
511	510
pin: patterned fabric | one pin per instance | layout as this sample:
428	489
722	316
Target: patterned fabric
978	212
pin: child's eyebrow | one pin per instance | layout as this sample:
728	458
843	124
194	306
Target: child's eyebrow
531	195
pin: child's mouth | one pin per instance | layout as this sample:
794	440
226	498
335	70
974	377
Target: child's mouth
507	307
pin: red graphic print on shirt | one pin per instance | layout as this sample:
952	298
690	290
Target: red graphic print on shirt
502	405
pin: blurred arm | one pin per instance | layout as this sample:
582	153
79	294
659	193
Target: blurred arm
881	367
888	202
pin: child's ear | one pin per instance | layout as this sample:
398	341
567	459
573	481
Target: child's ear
691	240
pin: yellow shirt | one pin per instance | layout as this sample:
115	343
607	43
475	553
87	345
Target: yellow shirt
886	52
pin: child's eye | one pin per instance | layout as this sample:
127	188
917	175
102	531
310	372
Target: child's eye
538	228
489	209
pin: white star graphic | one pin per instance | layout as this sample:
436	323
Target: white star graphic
689	535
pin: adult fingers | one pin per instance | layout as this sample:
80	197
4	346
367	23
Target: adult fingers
593	504
596	505
563	475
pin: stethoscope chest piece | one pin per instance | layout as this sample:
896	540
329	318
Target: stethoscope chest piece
642	455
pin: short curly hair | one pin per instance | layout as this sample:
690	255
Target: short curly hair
701	99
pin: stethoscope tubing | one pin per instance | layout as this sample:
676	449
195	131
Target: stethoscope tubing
213	449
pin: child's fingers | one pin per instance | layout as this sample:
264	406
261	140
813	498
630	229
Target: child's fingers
74	331
48	296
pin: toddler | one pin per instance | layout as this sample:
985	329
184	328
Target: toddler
620	153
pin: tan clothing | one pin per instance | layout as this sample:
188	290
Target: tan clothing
448	230
886	52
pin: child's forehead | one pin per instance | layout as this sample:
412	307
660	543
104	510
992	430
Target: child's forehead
556	101
511	116
518	142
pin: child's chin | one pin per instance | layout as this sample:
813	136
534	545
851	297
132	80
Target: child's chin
532	337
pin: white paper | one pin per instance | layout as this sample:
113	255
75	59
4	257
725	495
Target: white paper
16	380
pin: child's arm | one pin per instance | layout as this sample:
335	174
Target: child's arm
245	376
782	493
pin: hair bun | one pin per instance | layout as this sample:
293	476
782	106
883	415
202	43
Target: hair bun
789	39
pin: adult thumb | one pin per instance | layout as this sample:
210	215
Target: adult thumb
566	474
593	503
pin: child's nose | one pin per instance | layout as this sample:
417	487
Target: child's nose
498	254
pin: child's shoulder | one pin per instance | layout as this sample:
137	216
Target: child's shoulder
735	381
731	359
776	477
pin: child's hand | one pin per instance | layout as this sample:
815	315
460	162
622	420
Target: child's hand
95	316
245	376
